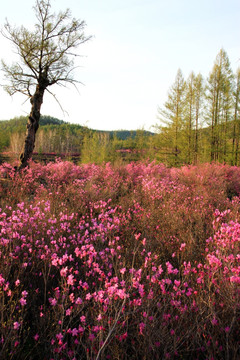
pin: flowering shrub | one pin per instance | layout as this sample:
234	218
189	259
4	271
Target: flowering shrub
133	262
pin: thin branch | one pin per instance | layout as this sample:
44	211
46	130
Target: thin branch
56	99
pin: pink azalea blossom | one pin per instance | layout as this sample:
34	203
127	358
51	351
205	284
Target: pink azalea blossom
91	337
23	301
53	301
74	332
83	319
16	325
36	337
141	327
70	279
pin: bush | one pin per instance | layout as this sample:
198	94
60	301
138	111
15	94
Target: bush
131	262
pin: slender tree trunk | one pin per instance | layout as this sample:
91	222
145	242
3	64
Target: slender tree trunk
32	127
212	137
196	135
235	128
190	133
236	152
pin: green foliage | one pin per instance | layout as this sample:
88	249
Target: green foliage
17	125
201	123
58	137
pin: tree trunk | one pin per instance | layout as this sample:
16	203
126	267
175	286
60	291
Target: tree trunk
32	127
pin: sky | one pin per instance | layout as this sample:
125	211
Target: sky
130	63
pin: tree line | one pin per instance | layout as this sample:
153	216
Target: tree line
200	119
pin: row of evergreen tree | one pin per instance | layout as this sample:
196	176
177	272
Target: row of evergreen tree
200	120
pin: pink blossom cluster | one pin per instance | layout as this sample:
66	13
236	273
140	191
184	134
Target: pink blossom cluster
138	260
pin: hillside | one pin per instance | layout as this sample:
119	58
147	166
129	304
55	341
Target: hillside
59	137
18	125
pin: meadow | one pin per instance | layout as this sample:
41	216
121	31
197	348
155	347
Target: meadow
135	261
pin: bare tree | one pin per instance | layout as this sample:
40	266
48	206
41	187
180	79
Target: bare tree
46	58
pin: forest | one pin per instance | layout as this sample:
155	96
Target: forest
199	122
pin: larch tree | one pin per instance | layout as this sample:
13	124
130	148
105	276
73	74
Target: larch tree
198	101
236	121
173	115
46	58
219	98
189	115
193	109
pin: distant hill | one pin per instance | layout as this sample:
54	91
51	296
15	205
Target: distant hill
124	134
61	136
18	125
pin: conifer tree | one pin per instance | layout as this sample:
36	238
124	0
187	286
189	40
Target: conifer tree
236	120
198	100
189	115
172	115
218	97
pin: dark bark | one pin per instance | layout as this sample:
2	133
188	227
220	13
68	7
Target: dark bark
32	126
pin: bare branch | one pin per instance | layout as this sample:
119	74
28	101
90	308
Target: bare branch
56	99
47	57
47	53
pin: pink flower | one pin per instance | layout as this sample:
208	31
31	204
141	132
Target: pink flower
2	280
214	321
71	297
74	332
23	301
88	296
70	279
17	282
169	267
53	301
235	279
81	329
16	325
91	337
68	312
78	301
177	283
36	337
141	328
83	319
99	317
182	246
64	271
59	336
122	271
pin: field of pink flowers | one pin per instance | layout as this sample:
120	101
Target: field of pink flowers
137	261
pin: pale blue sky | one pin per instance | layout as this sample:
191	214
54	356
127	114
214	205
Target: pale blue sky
133	59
